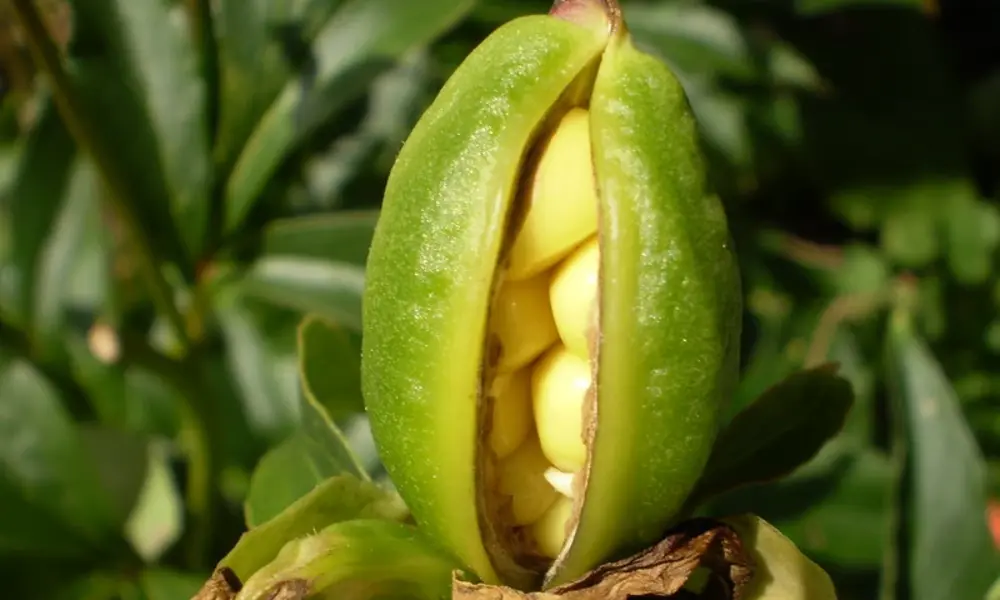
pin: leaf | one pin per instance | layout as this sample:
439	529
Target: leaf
264	370
330	366
157	519
819	7
697	39
158	51
254	61
44	462
36	194
394	105
385	559
337	499
342	237
362	40
283	475
333	290
326	443
942	547
163	584
120	459
779	432
107	94
61	257
973	234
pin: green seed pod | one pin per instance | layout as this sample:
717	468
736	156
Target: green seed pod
552	306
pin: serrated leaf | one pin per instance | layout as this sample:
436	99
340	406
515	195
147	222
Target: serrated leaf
780	431
942	547
337	499
341	237
330	364
361	41
331	289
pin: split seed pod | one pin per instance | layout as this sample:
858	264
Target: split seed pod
552	306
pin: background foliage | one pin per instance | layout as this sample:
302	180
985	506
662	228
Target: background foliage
182	182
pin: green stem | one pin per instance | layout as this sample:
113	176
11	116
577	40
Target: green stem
188	377
84	131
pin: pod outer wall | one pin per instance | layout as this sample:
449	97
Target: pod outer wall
432	264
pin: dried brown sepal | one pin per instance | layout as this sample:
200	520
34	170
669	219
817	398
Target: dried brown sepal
222	585
293	589
660	571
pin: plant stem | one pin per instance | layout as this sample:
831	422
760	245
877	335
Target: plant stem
84	131
187	374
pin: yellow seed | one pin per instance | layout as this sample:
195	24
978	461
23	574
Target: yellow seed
562	202
573	294
558	386
561	481
550	531
522	477
511	411
522	322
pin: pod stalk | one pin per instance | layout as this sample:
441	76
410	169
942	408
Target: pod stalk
590	13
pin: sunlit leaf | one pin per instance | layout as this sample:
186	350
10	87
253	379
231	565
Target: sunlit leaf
942	548
337	499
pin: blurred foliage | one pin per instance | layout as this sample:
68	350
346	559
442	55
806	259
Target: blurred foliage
182	182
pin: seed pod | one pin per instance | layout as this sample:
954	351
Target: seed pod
548	222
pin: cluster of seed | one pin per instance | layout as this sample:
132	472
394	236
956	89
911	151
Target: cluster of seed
541	317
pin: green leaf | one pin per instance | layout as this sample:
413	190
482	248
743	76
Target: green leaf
163	584
120	458
108	95
337	499
44	462
780	431
330	363
835	509
263	368
942	547
285	474
395	101
157	519
342	237
159	54
333	290
973	235
819	7
363	39
386	560
326	442
36	195
698	39
255	60
62	256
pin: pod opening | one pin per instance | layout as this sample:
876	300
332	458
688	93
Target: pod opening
538	401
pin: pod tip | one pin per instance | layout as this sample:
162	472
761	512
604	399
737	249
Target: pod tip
589	13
